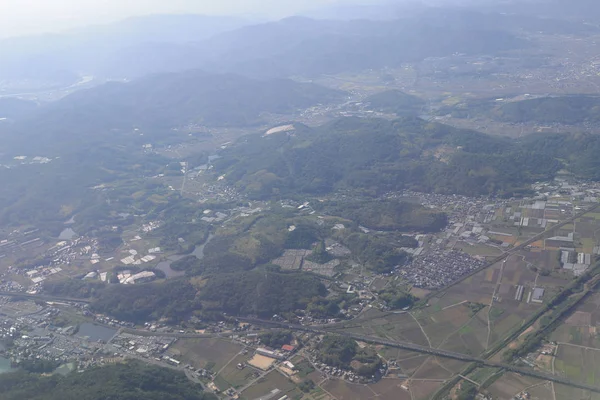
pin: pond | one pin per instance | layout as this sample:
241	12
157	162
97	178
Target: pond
96	332
67	234
65	369
165	266
5	365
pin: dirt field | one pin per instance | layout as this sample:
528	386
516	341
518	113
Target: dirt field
261	362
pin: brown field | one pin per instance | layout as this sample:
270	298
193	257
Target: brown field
410	365
511	384
206	353
432	369
343	390
390	389
424	389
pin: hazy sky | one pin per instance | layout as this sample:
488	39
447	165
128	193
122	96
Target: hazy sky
18	17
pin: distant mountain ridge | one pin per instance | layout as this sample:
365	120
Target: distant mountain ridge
165	101
290	47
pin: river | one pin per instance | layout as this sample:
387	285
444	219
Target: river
165	266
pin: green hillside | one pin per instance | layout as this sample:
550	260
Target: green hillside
396	102
130	381
378	155
563	110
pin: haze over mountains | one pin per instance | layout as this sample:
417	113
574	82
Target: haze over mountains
293	46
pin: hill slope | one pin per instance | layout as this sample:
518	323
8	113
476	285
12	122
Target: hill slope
396	102
379	155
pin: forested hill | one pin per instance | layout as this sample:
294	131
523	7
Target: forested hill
563	110
169	100
568	110
379	155
395	102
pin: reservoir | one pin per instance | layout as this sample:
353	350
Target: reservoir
96	332
165	266
67	234
4	365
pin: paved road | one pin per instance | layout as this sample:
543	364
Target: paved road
432	351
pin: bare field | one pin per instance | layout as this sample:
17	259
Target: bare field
343	390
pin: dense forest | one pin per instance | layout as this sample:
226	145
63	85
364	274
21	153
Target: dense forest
376	253
173	300
378	155
261	293
568	110
343	352
130	381
548	110
395	102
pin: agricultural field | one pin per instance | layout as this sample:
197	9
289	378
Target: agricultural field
212	354
396	326
510	384
570	393
581	328
272	381
236	377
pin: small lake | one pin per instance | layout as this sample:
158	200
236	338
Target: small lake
199	250
165	266
67	234
5	365
96	332
65	369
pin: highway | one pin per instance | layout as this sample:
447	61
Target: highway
44	297
428	350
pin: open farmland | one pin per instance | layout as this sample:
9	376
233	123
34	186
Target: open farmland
510	384
211	354
274	380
